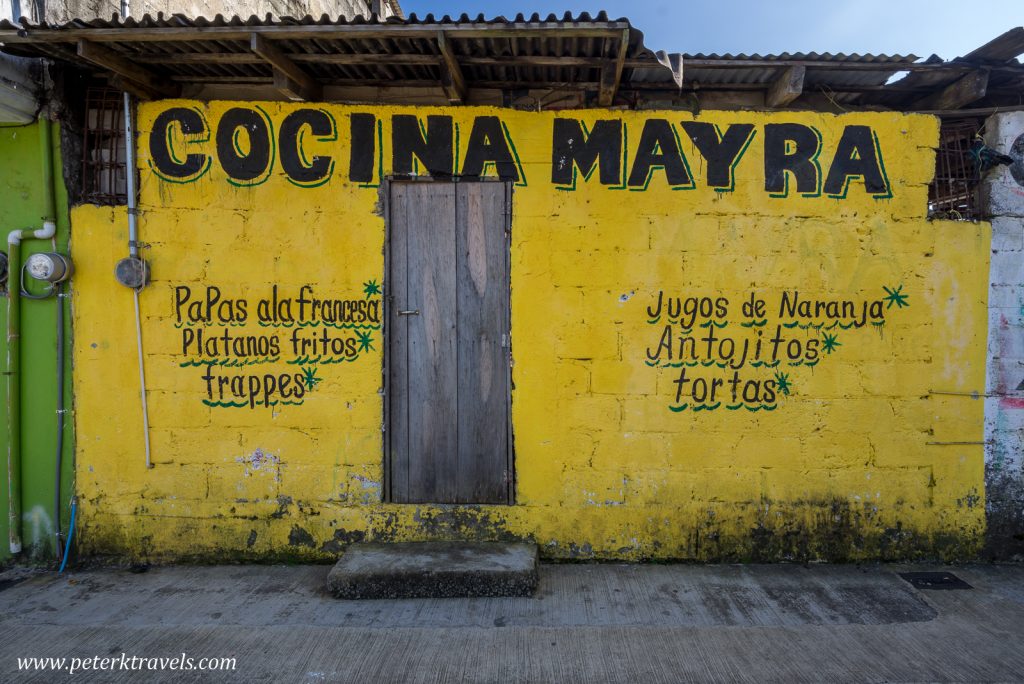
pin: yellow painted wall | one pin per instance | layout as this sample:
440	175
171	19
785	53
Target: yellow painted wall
609	463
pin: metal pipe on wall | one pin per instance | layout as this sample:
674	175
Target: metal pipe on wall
129	162
133	246
13	375
59	460
133	253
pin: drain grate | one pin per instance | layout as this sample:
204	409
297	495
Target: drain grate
935	580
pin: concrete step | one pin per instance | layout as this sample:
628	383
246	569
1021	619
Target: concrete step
434	570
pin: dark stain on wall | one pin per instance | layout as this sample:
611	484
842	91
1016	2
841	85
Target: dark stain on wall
1004	504
342	538
300	537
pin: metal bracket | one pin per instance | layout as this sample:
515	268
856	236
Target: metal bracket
412	312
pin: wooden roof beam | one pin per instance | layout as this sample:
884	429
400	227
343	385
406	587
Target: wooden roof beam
131	77
1000	49
312	32
131	87
452	79
289	78
377	58
786	88
963	91
611	73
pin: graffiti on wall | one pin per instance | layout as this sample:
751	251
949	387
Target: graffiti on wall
310	145
749	356
1017	154
271	351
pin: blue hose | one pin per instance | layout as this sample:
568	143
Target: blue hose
71	533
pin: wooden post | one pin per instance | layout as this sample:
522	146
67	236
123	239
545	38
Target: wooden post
611	73
961	92
786	88
452	80
137	80
291	80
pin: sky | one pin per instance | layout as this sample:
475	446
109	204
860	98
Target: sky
920	27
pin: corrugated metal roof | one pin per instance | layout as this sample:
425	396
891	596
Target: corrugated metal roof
1001	51
757	69
566	49
857	78
572	51
743	73
179	20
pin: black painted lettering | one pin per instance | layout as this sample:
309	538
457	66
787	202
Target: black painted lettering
433	148
793	149
299	168
161	150
363	147
856	157
722	152
487	143
243	167
572	149
658	149
182	293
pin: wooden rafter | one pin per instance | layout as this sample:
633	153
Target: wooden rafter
452	79
542	61
611	72
289	78
136	79
386	59
963	91
787	87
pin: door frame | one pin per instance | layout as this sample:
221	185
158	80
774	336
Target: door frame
385	203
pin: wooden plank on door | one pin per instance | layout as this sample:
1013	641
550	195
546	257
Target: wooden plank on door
483	324
396	289
432	342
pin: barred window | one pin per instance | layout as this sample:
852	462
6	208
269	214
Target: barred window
103	155
953	193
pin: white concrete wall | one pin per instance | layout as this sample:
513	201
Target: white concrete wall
1003	196
12	10
61	11
18	101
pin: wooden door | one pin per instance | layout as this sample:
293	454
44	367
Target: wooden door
447	368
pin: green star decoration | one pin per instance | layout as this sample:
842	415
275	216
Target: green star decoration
782	379
895	296
310	376
829	343
371	288
365	341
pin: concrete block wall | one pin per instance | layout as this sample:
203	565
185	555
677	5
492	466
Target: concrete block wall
833	447
1003	198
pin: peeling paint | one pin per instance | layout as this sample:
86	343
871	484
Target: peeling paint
300	537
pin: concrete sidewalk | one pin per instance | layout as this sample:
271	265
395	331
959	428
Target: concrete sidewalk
587	623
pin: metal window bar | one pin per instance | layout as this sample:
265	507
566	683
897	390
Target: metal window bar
953	194
103	162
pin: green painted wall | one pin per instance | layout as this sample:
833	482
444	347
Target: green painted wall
22	206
